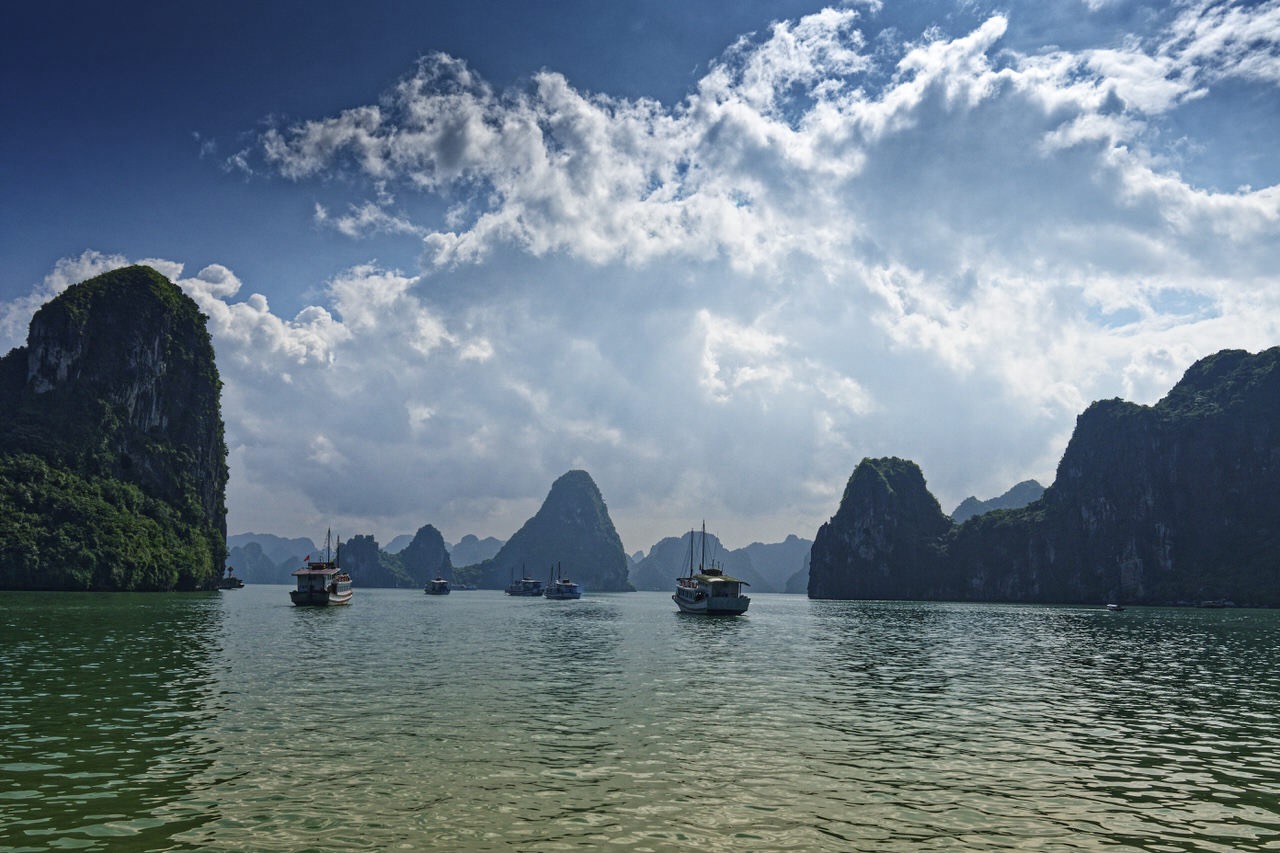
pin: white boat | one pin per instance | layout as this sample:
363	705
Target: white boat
321	583
561	589
437	586
708	591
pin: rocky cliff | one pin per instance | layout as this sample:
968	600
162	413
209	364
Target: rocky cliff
114	464
426	557
885	540
573	530
1176	502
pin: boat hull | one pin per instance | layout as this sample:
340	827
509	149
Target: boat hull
713	606
319	598
526	588
561	596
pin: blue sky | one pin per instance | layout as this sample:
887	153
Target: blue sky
713	253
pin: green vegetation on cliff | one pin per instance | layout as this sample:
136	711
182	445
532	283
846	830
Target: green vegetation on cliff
112	458
58	529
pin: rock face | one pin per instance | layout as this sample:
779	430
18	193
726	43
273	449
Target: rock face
572	529
117	390
885	541
425	557
369	565
1176	502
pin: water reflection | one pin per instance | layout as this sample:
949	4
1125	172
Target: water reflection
105	703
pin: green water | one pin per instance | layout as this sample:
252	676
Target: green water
475	721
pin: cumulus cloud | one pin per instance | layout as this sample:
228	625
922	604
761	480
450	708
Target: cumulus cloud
942	246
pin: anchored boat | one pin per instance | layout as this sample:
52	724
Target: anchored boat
321	583
561	588
437	586
709	591
526	586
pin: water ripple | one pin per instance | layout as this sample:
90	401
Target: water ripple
482	722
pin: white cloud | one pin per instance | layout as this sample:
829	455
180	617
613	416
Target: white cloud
365	219
1224	40
942	248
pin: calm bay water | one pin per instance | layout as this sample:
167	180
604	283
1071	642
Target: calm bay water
235	721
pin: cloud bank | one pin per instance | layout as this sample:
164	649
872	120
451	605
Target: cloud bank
841	243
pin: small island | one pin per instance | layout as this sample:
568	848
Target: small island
113	466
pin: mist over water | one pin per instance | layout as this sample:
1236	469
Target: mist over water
235	721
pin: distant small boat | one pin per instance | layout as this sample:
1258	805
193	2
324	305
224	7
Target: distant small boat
1115	608
437	586
526	586
230	581
561	589
321	583
709	591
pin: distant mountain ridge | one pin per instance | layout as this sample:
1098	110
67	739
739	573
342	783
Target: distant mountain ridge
1016	498
471	549
276	548
767	567
268	558
1173	503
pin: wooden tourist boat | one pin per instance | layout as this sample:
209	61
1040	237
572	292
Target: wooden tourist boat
708	591
321	583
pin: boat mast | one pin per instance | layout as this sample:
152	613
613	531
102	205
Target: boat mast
702	566
691	532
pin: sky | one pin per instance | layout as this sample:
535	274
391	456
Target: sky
713	253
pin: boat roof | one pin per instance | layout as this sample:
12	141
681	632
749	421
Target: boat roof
719	578
317	569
